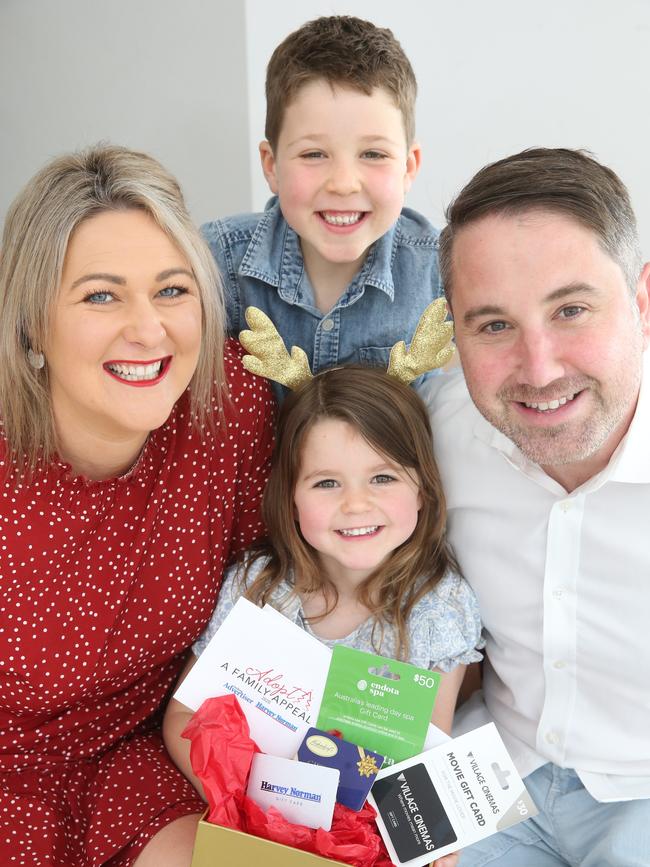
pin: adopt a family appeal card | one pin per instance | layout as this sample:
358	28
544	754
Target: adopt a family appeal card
449	797
276	670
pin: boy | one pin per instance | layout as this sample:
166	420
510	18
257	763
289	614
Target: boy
342	269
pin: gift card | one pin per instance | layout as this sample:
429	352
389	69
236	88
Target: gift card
357	766
275	669
449	797
305	794
379	703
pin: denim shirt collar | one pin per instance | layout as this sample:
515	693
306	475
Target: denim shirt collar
274	256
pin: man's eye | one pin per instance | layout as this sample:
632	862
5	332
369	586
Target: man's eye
494	327
172	291
326	483
382	479
99	297
571	311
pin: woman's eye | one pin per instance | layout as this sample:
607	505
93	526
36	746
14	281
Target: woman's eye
99	297
382	479
326	483
172	292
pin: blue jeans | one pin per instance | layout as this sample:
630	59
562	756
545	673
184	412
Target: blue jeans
571	829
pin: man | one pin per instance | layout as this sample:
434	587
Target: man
544	449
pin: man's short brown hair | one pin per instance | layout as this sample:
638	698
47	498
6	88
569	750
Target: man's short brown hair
559	180
343	51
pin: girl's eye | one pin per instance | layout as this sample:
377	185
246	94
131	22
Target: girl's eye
383	479
326	483
172	291
99	297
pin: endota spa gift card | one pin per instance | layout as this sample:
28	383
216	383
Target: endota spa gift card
449	797
378	703
276	670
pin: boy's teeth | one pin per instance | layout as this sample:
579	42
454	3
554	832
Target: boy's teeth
342	219
552	404
136	372
359	531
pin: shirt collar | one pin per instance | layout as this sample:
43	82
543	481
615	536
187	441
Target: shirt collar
630	463
274	256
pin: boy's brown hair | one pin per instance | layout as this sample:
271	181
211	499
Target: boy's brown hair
393	420
343	51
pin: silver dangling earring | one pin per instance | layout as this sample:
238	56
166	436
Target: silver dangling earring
36	359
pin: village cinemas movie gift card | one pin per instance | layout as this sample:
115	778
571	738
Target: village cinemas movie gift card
449	797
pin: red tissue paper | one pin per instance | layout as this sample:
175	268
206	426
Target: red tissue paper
221	752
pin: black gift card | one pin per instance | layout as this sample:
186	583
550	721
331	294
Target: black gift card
412	812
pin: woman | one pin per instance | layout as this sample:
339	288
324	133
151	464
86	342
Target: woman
133	456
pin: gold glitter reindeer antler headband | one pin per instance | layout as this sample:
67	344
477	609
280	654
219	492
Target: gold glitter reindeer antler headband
431	347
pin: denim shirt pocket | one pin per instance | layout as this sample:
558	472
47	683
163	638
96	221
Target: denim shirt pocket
375	356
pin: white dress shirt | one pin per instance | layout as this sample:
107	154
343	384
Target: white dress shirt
563	583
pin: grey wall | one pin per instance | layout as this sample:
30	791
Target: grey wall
496	77
164	76
184	79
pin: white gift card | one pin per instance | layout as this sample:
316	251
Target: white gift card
275	668
305	794
449	797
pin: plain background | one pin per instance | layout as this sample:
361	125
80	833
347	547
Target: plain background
184	80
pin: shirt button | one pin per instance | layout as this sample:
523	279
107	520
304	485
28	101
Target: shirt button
328	324
552	738
559	664
558	593
565	505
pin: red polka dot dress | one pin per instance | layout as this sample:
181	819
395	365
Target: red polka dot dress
103	585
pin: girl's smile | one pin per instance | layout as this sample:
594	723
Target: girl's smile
353	505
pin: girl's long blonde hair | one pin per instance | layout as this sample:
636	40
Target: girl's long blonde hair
392	419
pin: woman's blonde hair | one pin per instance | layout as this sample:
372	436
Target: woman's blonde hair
393	420
38	227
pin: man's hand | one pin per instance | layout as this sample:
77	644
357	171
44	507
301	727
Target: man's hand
447	861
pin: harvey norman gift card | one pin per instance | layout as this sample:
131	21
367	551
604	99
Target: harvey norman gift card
304	794
449	797
276	670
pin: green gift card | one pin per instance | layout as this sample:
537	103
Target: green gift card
378	703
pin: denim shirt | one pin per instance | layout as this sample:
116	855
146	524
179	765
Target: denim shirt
261	264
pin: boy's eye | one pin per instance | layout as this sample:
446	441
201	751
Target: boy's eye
326	483
382	479
313	155
172	291
99	297
373	155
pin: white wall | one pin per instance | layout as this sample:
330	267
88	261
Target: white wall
184	79
496	77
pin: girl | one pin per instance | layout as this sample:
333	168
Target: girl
356	551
